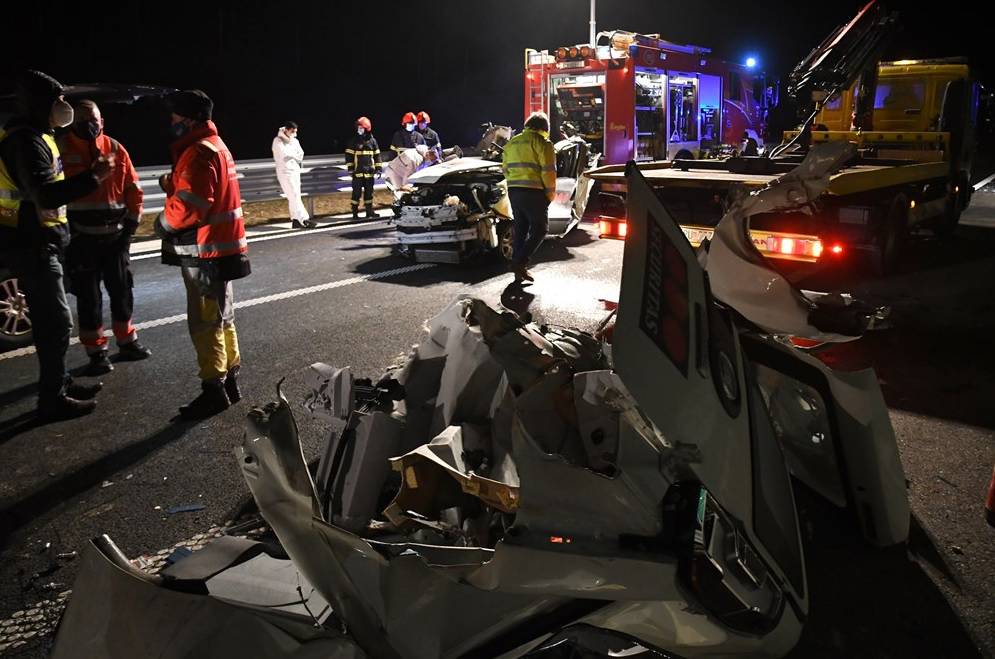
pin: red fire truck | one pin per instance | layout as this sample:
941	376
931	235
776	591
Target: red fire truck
639	97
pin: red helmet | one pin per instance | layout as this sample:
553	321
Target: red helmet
424	118
408	118
363	122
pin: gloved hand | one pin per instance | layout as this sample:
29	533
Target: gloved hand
166	183
160	230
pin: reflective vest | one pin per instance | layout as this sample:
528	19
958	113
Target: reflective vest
529	162
118	200
203	213
10	194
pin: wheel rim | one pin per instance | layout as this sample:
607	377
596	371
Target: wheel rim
14	319
506	244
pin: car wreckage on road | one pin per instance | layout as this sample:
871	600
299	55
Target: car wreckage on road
515	490
458	210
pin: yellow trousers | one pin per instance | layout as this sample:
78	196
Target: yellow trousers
211	321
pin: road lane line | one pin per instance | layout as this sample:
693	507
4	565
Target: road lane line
291	233
266	299
978	186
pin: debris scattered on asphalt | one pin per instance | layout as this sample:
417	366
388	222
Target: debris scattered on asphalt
957	550
52	585
106	484
157	508
185	508
951	484
66	556
129	477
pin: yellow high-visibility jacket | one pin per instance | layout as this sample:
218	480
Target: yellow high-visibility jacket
529	162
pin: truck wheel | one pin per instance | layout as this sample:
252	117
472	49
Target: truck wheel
947	224
505	246
684	154
15	324
893	238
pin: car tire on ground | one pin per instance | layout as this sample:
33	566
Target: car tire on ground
15	323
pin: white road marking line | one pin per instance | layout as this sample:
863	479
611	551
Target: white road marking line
262	236
276	297
978	186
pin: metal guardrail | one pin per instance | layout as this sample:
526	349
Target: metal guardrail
257	180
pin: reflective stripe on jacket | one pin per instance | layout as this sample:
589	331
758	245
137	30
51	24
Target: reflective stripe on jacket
530	162
118	200
203	214
362	156
11	197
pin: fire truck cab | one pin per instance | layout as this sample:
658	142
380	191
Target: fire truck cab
639	97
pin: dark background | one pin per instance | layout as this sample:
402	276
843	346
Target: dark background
323	64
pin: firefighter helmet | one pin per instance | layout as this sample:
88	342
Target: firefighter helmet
424	118
364	123
408	118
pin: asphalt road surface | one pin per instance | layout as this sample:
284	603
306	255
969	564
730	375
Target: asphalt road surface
339	295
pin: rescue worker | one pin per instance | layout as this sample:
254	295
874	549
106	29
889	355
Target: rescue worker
406	137
407	163
203	232
431	138
34	232
362	158
102	224
529	165
289	157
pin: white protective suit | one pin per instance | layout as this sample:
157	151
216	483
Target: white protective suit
404	165
289	157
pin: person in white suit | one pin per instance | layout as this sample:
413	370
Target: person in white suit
289	157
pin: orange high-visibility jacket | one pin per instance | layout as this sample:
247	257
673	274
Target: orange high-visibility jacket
117	203
203	216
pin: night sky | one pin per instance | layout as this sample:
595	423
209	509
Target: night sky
323	64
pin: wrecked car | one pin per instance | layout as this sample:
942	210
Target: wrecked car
523	490
458	210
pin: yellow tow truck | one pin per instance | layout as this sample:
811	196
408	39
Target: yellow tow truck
913	123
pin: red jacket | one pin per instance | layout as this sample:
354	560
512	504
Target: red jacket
202	224
117	203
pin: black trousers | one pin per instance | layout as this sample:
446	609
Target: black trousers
362	186
90	261
39	274
531	210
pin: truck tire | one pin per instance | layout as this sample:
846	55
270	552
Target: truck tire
15	323
684	154
956	204
892	239
505	246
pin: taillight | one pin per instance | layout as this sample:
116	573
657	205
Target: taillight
837	249
612	227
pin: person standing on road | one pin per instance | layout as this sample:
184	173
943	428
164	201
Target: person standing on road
102	224
529	165
406	137
362	159
289	157
431	138
34	232
203	232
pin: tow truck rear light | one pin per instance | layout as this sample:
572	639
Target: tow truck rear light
837	249
612	227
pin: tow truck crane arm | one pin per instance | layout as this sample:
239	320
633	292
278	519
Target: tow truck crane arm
849	53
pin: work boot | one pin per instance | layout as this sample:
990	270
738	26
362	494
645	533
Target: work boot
296	224
83	391
63	408
355	212
231	385
522	275
211	401
133	352
370	213
99	364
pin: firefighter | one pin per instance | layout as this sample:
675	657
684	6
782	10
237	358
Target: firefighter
406	137
34	232
203	232
431	138
102	224
529	165
289	158
362	157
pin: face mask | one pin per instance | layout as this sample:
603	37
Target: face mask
422	126
409	127
360	131
61	114
88	131
292	136
179	129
